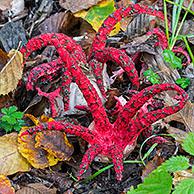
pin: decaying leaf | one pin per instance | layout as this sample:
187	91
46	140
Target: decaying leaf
77	5
140	25
36	188
11	72
157	64
152	165
10	159
12	34
185	116
3	58
44	148
98	13
5	186
37	157
55	143
181	175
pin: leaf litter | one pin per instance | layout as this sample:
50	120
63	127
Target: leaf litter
49	148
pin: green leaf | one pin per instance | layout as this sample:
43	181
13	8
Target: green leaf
17	127
11	120
175	163
183	82
188	143
12	109
5	118
156	183
154	78
4	111
174	61
17	115
6	126
185	186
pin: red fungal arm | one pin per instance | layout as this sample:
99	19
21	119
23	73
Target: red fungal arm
43	70
138	100
183	52
41	41
71	63
119	57
99	41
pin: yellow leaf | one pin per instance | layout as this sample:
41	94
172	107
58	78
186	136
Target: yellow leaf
44	148
5	186
37	157
10	159
11	72
98	13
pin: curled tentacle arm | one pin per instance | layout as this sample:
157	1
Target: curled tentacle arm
121	58
41	41
42	70
99	42
138	100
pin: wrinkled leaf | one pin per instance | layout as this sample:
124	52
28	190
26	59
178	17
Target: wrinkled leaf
185	116
10	159
139	25
11	72
188	143
5	186
185	186
37	157
55	143
181	175
98	13
77	5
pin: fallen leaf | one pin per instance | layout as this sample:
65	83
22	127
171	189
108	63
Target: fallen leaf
77	5
12	34
37	157
185	116
140	25
10	159
36	188
98	13
5	186
152	165
181	175
11	72
3	58
55	143
44	148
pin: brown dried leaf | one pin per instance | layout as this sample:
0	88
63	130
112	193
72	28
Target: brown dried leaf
181	175
77	5
55	143
5	186
37	157
11	72
3	58
10	159
185	116
152	165
53	23
157	64
140	25
36	188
